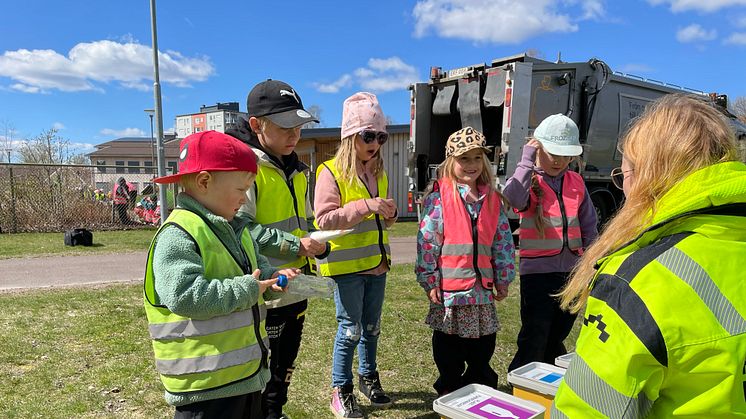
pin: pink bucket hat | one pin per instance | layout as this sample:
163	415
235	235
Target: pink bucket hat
362	111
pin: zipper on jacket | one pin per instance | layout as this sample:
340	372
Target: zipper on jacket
378	224
257	331
565	240
475	252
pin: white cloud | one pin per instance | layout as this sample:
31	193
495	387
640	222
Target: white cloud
380	75
738	38
740	22
698	5
634	68
695	33
127	132
87	64
58	126
82	147
344	81
501	21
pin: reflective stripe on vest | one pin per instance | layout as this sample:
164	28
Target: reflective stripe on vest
195	355
562	223
466	253
281	205
368	244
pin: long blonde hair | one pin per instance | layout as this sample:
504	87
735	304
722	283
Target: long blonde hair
348	164
676	135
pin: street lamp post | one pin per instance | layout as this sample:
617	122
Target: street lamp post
158	115
150	113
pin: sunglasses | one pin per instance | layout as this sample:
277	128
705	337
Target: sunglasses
617	177
369	136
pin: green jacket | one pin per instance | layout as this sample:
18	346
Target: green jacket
181	286
664	332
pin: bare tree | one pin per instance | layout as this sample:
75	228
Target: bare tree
9	131
316	111
739	108
47	147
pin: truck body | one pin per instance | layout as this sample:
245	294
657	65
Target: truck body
508	98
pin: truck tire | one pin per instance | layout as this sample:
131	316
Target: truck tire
603	203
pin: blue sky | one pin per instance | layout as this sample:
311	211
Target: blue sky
85	67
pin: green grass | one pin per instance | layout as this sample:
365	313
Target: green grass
86	353
48	244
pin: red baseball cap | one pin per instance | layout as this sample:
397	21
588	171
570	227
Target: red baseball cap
212	151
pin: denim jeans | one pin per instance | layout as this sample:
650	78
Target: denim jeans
359	300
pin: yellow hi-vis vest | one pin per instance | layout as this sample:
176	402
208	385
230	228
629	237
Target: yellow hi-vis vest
194	355
368	244
281	204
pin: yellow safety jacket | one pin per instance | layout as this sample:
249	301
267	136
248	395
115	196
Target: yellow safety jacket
664	332
281	204
194	355
368	244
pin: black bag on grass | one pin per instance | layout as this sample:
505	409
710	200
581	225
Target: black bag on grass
78	237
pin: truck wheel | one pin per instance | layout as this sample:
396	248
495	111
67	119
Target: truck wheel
601	203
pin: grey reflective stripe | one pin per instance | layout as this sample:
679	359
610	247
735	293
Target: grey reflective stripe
540	244
192	328
681	265
464	272
276	262
356	253
209	363
597	393
462	249
556	413
530	222
575	243
303	224
288	224
365	227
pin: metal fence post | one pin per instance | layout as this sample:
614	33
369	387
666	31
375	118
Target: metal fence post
13	201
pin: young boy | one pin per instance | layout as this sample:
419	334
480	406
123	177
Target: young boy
278	207
204	284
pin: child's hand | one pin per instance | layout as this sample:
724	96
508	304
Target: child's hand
263	285
434	295
501	291
310	247
383	207
534	143
290	273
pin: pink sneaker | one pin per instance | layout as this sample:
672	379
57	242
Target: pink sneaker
344	404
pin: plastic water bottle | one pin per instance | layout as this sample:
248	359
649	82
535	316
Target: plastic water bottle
308	285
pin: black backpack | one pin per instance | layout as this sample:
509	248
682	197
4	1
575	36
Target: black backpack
78	237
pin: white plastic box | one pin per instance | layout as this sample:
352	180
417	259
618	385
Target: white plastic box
476	401
538	377
564	360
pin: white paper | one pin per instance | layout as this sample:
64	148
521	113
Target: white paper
323	236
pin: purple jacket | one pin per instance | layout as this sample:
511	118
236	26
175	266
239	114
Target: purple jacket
516	192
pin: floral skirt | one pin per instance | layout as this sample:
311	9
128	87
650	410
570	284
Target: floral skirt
467	321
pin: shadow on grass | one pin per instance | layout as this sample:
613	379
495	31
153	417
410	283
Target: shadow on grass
415	401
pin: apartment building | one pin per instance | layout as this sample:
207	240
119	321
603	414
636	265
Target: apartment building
218	117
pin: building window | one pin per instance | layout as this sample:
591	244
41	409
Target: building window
100	164
132	166
172	167
149	166
119	163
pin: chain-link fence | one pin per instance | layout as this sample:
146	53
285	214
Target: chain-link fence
56	197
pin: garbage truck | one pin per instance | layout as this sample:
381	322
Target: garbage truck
509	97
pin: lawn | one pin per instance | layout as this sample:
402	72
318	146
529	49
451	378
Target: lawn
48	244
85	352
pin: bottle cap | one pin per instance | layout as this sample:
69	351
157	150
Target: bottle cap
282	281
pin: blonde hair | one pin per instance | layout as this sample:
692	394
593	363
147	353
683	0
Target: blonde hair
348	164
447	171
676	135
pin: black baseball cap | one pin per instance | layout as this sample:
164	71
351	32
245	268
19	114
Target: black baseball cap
278	102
